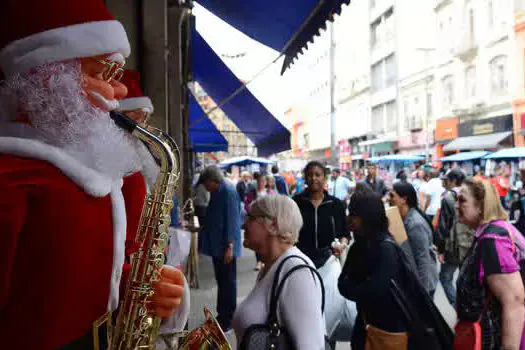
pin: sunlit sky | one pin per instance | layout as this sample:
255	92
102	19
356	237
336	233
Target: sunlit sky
269	87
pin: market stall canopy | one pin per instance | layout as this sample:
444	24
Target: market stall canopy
244	110
508	153
479	142
203	134
396	158
284	25
244	161
465	156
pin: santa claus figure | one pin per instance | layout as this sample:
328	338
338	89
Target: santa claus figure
72	182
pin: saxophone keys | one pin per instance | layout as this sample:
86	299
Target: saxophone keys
162	240
146	323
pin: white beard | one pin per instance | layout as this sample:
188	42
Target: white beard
59	114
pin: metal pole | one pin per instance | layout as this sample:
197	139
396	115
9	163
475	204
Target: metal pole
333	141
427	141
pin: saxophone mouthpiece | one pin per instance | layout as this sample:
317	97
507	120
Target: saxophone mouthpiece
123	121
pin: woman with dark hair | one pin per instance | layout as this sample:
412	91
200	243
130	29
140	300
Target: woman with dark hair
370	265
419	231
324	217
324	234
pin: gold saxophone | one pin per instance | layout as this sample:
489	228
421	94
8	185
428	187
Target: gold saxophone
134	326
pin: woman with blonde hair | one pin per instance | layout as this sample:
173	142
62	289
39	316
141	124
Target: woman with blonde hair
490	288
271	229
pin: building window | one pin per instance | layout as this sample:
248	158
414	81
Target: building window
375	34
391	116
498	73
389	27
407	111
491	14
384	73
377	119
448	90
377	76
390	71
470	82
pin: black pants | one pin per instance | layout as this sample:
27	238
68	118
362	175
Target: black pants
226	277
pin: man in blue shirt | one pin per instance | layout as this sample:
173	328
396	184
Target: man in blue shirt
340	186
221	239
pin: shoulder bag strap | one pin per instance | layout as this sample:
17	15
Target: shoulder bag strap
272	315
275	298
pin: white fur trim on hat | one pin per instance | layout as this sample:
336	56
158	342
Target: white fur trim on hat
132	103
90	180
75	41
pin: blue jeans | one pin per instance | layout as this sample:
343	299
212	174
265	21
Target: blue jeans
226	277
446	277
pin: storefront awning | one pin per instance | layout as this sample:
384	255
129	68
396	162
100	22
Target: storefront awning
396	158
244	161
508	153
203	134
246	112
464	156
282	25
479	142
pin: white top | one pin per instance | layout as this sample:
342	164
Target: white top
202	196
433	189
298	310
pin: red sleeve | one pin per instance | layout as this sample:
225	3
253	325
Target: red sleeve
13	208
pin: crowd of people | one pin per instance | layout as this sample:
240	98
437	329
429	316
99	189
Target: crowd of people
452	222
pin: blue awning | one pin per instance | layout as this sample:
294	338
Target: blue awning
282	25
243	161
508	153
204	136
464	156
250	116
396	158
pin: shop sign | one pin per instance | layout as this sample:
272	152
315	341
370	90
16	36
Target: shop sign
483	129
446	129
485	126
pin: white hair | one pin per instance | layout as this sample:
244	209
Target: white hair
286	213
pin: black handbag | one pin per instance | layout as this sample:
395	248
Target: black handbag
272	335
425	324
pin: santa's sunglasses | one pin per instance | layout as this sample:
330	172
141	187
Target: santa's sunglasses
113	70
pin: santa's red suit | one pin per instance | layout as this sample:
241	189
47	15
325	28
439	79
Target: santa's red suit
62	241
63	225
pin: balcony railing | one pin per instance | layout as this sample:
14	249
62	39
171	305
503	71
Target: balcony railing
415	123
467	48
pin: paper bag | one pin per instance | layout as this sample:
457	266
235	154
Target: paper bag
395	225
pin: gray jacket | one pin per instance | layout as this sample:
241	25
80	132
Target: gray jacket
420	239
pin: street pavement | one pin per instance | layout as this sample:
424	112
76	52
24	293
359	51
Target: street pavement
206	295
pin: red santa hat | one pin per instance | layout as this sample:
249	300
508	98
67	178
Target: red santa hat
135	99
35	32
